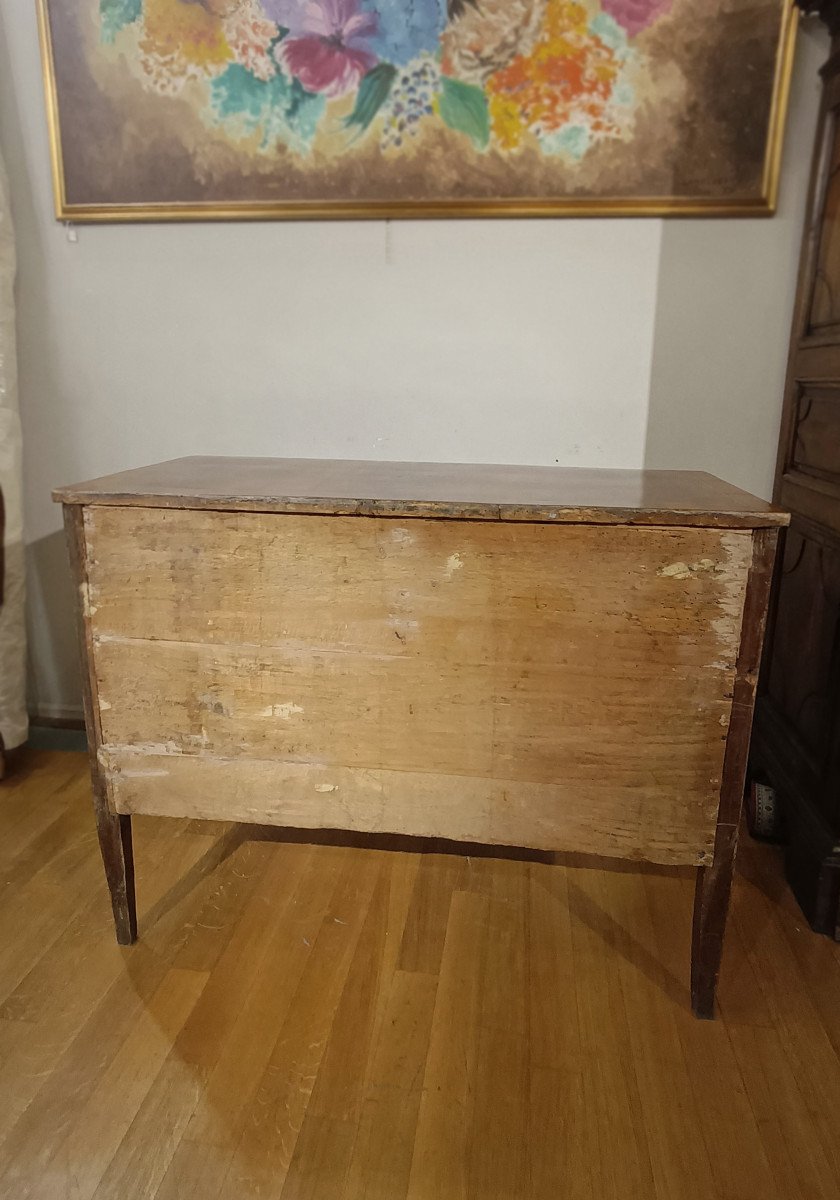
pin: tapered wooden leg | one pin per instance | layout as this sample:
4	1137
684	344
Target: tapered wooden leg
114	830
714	883
118	857
711	907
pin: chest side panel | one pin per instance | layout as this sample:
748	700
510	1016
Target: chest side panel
562	687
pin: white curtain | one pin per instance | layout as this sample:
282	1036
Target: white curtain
13	720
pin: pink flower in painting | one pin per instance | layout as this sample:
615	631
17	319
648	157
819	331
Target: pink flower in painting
325	47
636	15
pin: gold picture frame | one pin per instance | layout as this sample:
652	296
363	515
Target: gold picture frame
90	192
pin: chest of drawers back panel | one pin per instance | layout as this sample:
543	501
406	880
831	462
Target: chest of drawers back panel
512	683
519	673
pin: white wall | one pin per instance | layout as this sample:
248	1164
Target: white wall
510	341
723	313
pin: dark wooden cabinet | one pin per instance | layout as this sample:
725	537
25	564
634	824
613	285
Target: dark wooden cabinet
796	745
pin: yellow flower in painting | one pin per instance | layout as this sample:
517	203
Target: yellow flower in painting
185	30
565	17
193	40
506	121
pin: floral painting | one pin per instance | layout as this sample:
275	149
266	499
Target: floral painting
398	107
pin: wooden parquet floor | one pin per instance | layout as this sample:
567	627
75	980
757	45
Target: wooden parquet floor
351	1021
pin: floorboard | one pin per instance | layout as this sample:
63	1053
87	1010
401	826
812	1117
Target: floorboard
309	1020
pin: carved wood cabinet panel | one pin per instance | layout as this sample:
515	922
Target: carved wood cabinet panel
797	737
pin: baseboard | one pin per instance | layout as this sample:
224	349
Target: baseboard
63	736
66	716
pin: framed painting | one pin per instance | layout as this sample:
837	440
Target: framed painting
197	109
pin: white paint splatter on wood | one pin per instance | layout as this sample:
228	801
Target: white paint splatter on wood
88	609
284	711
131	773
453	563
681	570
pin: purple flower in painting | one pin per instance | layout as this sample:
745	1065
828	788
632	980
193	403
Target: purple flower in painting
636	15
326	47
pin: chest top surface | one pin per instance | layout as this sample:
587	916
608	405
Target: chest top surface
474	491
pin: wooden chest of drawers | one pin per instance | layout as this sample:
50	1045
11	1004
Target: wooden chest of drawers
561	660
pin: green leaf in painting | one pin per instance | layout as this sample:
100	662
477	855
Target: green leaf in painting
464	107
372	94
114	14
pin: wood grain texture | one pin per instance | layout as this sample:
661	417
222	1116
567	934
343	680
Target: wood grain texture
520	684
473	490
269	974
114	831
799	700
711	904
653	828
